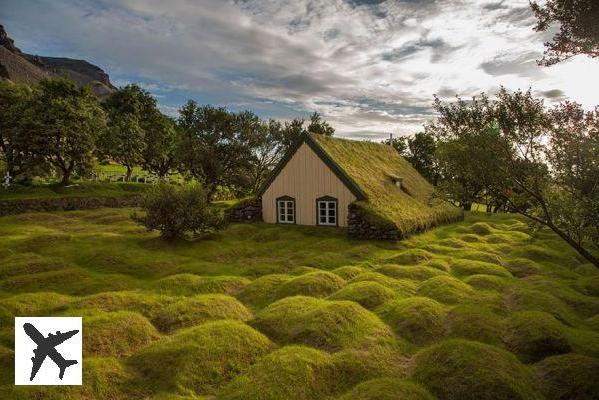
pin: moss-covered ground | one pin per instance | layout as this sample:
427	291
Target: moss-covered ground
482	309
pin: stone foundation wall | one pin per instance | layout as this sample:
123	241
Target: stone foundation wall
245	211
364	226
8	207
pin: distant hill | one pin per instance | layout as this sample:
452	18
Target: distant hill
29	69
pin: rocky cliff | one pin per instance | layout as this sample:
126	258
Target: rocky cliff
29	69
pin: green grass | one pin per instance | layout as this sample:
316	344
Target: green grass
76	189
482	309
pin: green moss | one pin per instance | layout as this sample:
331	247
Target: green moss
195	310
472	267
519	298
414	272
132	330
292	372
315	284
473	322
446	289
349	271
328	325
189	284
534	335
403	287
387	389
417	319
441	265
461	369
410	257
262	291
593	322
568	376
367	294
481	228
487	282
200	359
590	285
146	304
34	303
522	267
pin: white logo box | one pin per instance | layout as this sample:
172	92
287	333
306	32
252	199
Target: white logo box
70	350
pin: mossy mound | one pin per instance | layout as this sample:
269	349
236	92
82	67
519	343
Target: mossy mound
473	322
146	304
478	255
195	310
403	287
518	298
522	267
349	271
568	376
410	257
101	332
472	267
315	284
29	263
262	291
292	372
417	319
590	285
469	238
593	322
446	289
439	264
190	284
534	335
585	305
454	242
201	359
387	389
461	369
414	272
38	303
487	282
7	362
481	228
328	325
367	294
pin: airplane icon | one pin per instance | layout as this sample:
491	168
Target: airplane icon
46	347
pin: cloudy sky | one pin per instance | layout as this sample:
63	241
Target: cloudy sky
371	67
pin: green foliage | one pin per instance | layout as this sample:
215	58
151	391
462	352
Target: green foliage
178	211
418	319
319	126
387	389
328	325
460	369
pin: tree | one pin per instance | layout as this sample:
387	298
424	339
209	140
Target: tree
517	152
319	126
15	154
131	111
160	145
422	147
400	144
178	211
215	145
578	28
64	121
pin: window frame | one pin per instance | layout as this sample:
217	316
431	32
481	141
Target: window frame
327	199
285	199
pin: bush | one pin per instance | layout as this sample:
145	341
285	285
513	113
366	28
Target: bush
387	389
568	376
177	211
465	370
418	319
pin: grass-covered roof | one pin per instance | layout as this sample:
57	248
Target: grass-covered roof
374	168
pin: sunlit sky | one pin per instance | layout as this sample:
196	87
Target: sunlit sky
370	67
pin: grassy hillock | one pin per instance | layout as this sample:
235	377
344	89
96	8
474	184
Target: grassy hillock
482	309
79	189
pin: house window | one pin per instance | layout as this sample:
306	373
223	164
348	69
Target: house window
326	211
286	210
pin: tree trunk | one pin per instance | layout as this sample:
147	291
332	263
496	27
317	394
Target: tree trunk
66	176
466	205
128	174
581	250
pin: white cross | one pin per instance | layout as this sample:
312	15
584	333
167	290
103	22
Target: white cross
7	178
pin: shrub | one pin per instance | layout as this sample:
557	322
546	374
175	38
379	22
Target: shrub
132	330
418	319
445	289
568	376
194	310
460	369
292	372
177	211
328	325
316	284
534	335
387	389
367	294
202	358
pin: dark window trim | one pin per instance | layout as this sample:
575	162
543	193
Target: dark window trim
325	157
327	198
285	198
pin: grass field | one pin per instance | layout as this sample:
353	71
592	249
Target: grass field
76	189
482	309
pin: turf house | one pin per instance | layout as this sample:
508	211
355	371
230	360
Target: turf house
364	186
